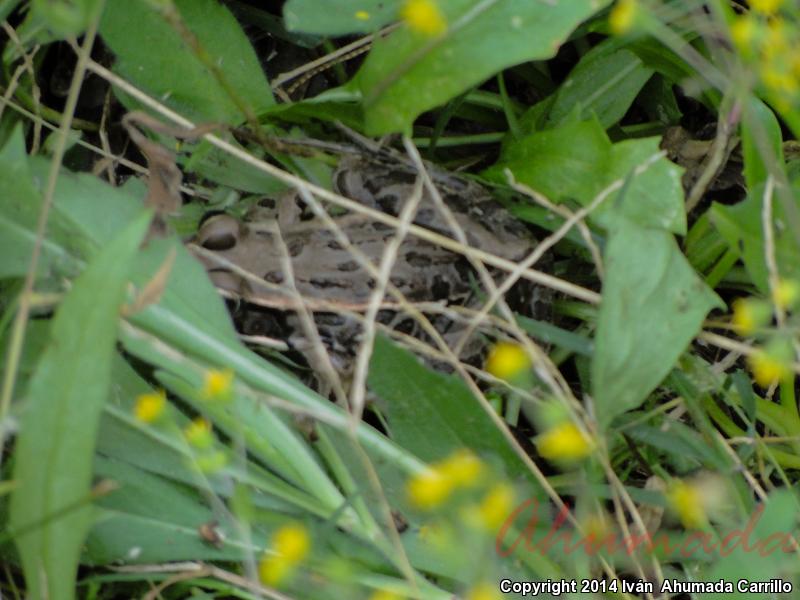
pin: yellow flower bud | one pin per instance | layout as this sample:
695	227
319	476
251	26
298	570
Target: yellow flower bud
424	16
149	407
429	489
766	7
768	367
686	500
749	314
385	595
622	16
272	570
198	433
463	468
292	542
564	442
507	360
496	506
217	384
786	293
743	32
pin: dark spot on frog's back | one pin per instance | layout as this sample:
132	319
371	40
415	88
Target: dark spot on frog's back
321	283
425	216
418	259
348	266
389	203
440	290
267	203
295	247
274	277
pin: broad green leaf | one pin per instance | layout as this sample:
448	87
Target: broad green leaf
430	413
338	17
54	449
145	44
577	161
603	83
653	305
561	163
409	73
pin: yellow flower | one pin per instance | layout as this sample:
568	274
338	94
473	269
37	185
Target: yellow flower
198	433
429	489
292	542
385	595
496	506
272	570
768	367
687	502
779	81
743	31
786	293
462	468
149	407
506	360
564	442
290	545
766	7
424	16
217	384
622	16
362	15
484	591
749	314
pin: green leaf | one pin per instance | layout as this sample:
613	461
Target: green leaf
338	17
577	161
761	548
144	42
19	213
150	519
603	83
761	143
653	305
562	163
682	443
430	413
57	436
741	226
65	17
409	73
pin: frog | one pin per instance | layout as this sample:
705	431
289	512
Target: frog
335	286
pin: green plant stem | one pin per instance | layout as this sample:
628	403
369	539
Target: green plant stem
460	140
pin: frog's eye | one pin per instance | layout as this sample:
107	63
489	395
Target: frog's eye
219	233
